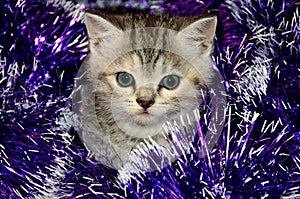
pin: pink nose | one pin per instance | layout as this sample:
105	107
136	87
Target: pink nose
145	103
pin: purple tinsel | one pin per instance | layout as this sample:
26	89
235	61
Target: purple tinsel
42	45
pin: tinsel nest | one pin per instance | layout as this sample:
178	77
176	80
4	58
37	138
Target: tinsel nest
42	45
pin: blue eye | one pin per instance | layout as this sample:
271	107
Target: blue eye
125	79
170	82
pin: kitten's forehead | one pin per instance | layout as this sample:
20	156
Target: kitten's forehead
158	38
153	62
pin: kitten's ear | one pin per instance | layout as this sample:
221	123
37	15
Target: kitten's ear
201	33
99	29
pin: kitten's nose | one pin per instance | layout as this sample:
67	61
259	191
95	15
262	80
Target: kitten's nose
145	103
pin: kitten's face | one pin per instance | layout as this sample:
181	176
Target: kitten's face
143	96
144	87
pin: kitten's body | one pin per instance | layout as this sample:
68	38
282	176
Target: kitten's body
153	55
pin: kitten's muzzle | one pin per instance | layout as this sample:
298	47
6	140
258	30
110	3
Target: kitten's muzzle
145	103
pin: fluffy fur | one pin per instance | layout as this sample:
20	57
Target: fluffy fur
148	47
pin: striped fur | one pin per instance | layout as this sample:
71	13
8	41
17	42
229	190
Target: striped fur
119	114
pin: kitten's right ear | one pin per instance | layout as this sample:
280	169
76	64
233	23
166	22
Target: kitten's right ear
99	29
200	34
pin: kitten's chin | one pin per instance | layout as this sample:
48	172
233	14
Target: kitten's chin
145	131
142	125
145	119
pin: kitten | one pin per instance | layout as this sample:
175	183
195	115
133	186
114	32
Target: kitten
146	69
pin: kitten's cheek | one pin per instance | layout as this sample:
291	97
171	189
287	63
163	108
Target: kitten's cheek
157	112
132	109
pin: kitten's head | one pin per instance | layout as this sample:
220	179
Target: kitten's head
145	76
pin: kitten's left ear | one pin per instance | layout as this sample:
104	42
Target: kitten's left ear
99	28
200	34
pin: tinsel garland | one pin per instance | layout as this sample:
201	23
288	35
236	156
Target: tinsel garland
42	45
